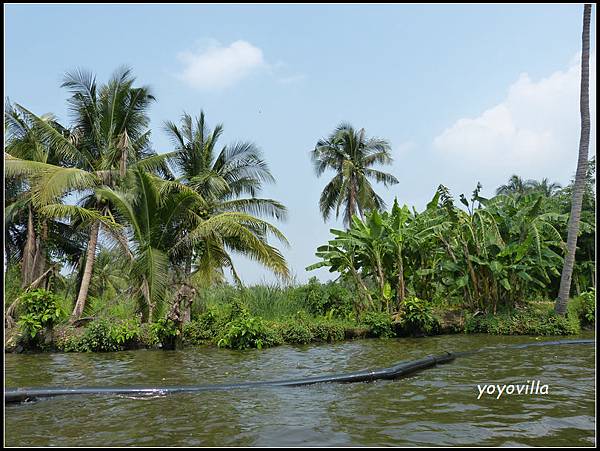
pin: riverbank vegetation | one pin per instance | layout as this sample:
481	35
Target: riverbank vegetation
111	245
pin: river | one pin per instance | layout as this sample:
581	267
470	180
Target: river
437	406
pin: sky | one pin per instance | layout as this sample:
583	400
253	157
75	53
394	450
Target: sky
464	93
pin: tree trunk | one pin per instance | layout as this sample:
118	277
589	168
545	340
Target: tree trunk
39	260
87	272
582	165
351	205
27	263
400	290
148	313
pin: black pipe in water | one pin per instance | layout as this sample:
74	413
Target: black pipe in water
399	370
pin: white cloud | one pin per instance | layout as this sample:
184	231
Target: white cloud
533	132
217	66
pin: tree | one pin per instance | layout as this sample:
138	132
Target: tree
222	179
30	236
582	163
351	155
109	136
544	187
162	222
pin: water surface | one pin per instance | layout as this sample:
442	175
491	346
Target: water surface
437	406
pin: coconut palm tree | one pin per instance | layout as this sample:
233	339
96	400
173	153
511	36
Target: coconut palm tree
515	185
228	181
544	187
351	155
161	225
109	136
31	236
582	164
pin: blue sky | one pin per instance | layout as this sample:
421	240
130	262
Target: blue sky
464	93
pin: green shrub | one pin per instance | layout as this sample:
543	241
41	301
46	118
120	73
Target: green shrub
98	338
126	333
198	331
583	307
327	330
379	324
148	337
39	309
208	323
245	332
166	331
69	339
416	317
527	321
296	332
272	301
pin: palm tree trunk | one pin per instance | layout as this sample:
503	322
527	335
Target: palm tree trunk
87	272
39	260
27	263
148	310
582	165
351	206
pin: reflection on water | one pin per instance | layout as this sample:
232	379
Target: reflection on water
438	406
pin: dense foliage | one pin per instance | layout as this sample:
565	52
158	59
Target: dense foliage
490	254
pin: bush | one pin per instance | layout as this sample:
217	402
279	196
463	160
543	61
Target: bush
416	317
327	330
98	338
199	331
166	332
528	321
295	332
148	337
39	309
583	307
126	333
319	299
245	332
379	324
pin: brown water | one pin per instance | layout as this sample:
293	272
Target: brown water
437	406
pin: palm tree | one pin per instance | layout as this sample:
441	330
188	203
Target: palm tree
223	180
31	235
152	225
162	220
109	135
515	185
582	163
351	155
545	187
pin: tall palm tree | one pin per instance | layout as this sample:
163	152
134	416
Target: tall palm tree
227	181
110	134
582	164
351	155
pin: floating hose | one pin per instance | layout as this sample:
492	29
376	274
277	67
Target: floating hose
399	370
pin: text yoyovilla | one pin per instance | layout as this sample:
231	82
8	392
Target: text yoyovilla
528	388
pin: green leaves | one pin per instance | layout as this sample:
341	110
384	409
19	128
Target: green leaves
350	155
40	309
500	251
